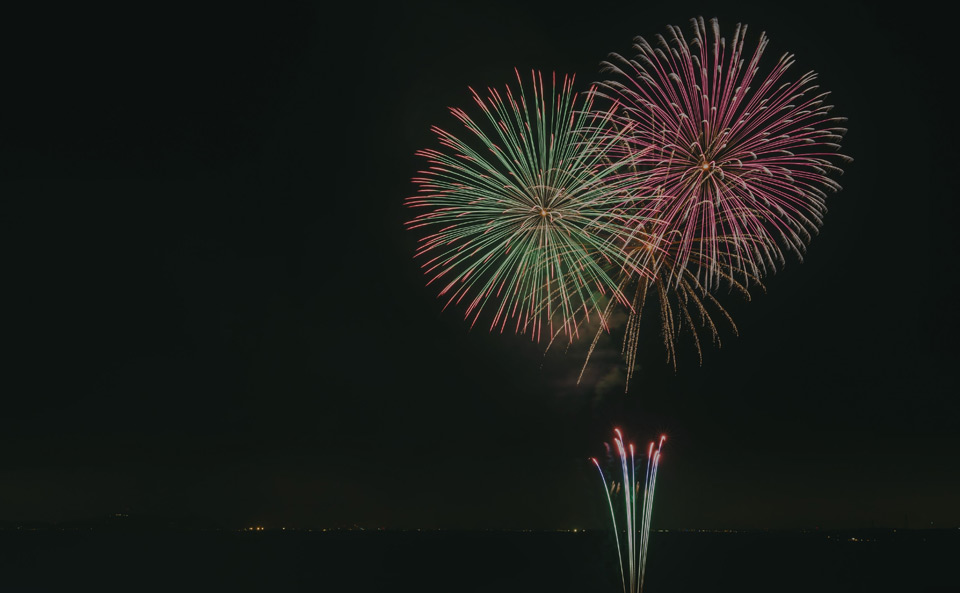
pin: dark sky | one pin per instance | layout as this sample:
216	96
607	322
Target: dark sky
212	309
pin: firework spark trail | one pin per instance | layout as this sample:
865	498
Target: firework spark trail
743	172
526	211
613	518
637	528
653	459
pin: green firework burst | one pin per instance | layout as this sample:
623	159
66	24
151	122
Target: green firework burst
527	214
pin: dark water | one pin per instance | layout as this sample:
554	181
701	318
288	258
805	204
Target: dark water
474	561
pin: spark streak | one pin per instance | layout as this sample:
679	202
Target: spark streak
633	563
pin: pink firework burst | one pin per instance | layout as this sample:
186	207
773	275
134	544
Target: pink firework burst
739	161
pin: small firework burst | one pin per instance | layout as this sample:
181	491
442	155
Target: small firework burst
685	306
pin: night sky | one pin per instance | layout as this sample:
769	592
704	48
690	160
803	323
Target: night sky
212	310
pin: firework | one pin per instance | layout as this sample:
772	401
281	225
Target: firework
526	209
701	174
683	306
684	303
633	559
740	162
